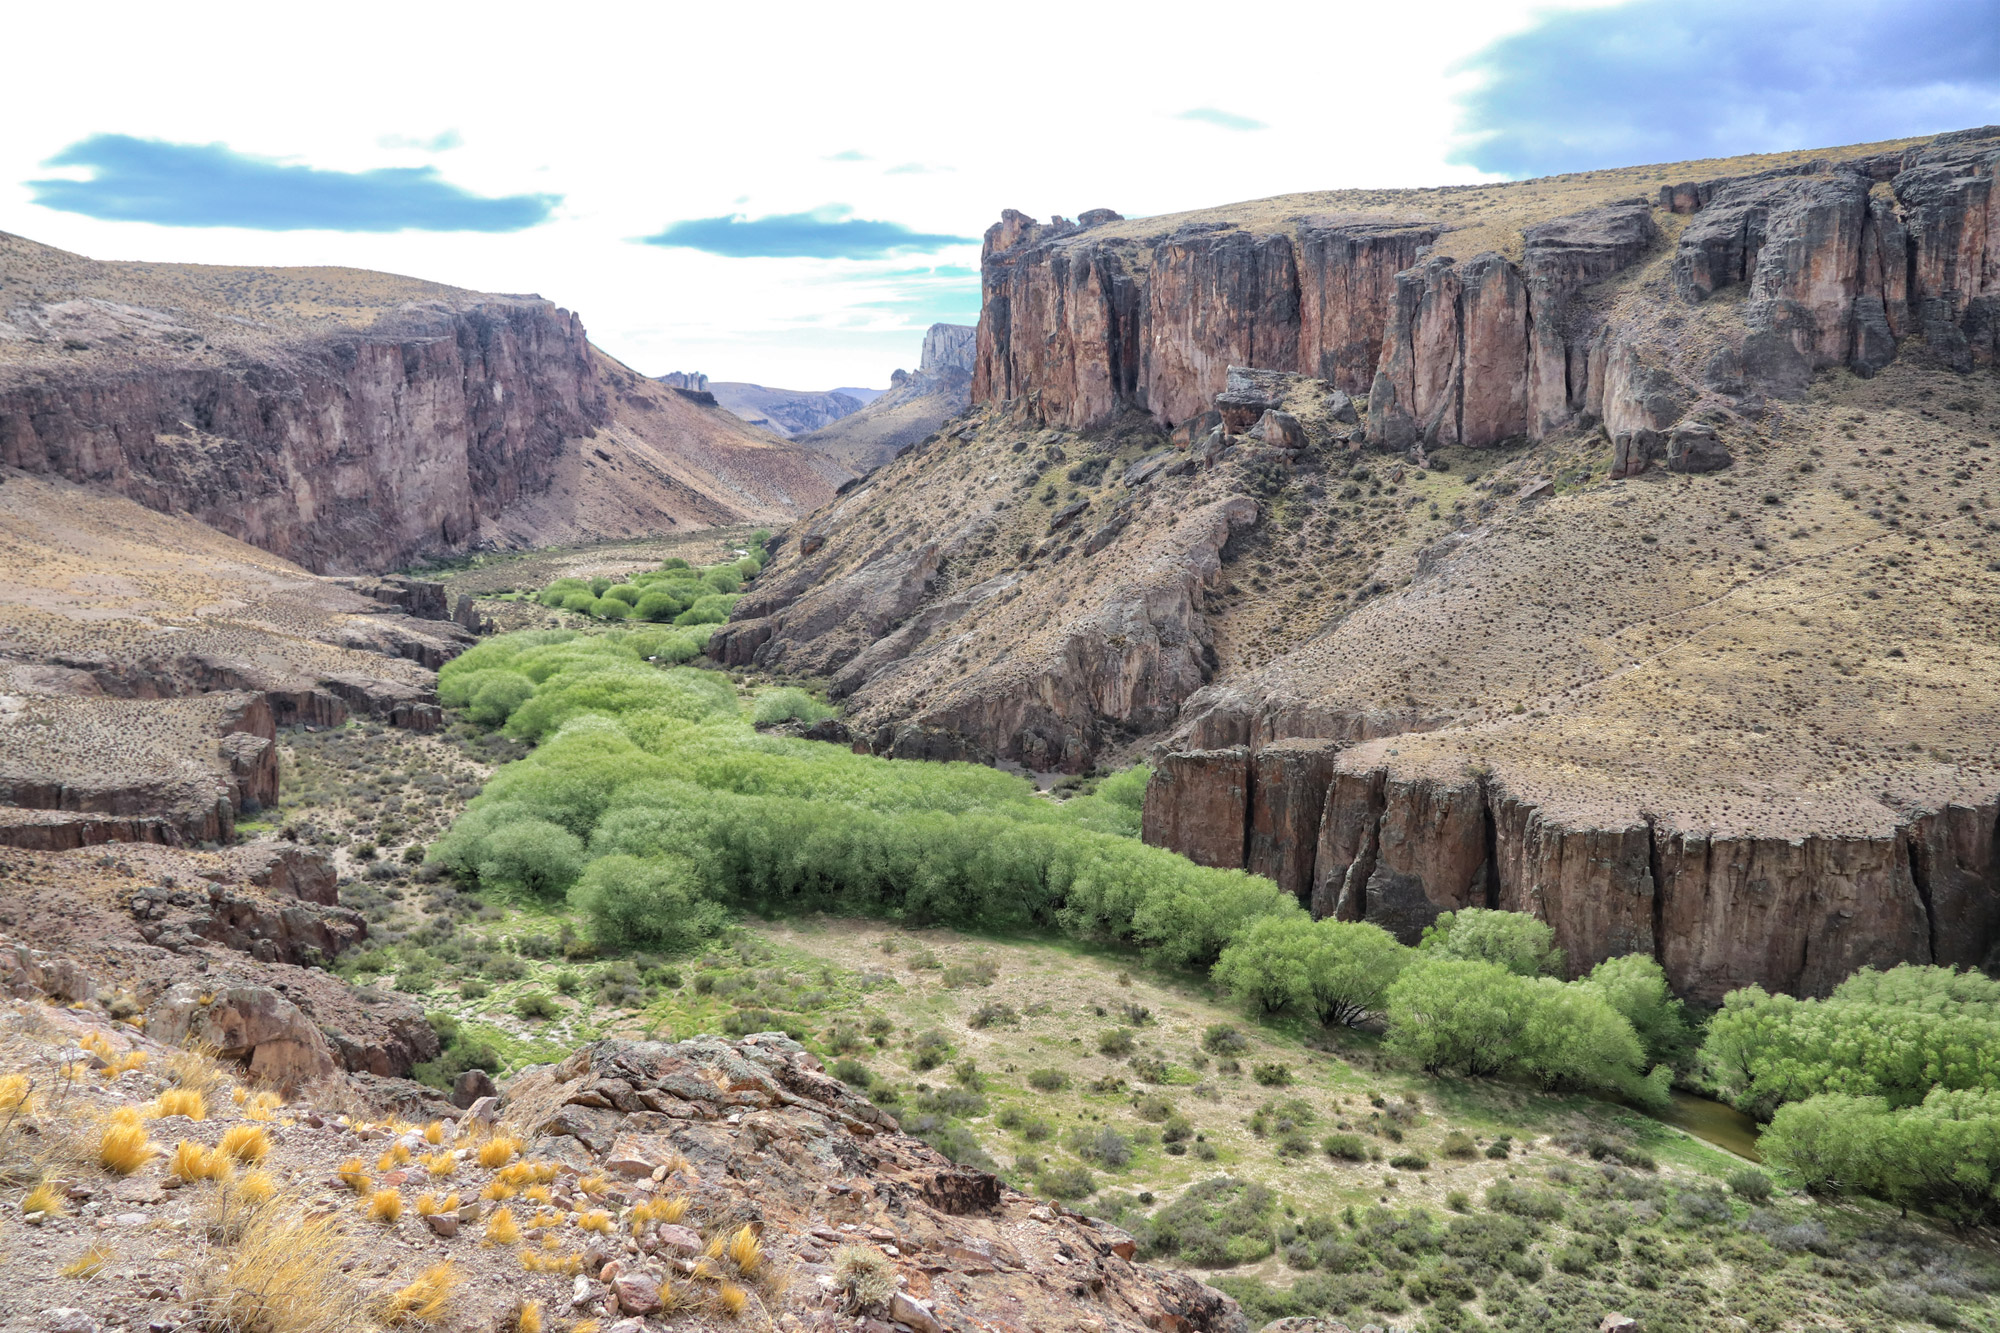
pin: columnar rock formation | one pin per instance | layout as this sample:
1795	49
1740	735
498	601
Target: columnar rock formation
1841	259
917	403
354	452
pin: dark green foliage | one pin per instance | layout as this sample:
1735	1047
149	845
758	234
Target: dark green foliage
1336	971
1410	1161
1345	1147
1224	1039
929	1050
535	1005
1750	1184
787	705
853	1073
1272	1075
1116	1042
1047	1080
656	902
458	1053
1105	1146
1504	1196
991	1014
1214	1224
1067	1184
1943	1155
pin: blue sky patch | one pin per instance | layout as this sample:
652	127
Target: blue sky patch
1672	80
824	233
212	185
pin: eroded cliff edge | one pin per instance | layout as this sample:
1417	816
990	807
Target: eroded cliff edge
353	421
1634	571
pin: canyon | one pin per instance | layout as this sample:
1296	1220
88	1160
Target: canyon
1613	547
355	422
915	405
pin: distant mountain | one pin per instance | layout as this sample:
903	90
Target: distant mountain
787	412
914	406
865	395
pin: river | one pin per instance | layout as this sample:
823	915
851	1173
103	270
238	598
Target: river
1713	1122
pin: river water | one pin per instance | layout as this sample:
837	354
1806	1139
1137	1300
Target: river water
1713	1122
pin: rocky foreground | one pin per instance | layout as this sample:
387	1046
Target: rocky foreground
636	1184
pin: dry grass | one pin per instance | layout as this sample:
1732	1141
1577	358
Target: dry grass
197	1069
865	1274
731	1299
528	1319
596	1220
88	1264
538	1193
441	1164
497	1190
430	1204
434	1133
384	1206
123	1149
502	1229
498	1151
426	1298
354	1174
283	1276
191	1162
245	1143
16	1091
46	1198
190	1102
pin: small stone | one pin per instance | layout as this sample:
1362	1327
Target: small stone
907	1309
1618	1323
636	1294
128	1220
811	1254
679	1239
610	1271
67	1320
443	1224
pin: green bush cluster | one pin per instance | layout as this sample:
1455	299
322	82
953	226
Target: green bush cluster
676	592
1474	997
1890	1086
659	766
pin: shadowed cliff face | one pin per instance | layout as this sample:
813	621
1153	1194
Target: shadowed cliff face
359	452
353	421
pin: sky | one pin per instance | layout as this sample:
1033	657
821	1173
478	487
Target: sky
790	194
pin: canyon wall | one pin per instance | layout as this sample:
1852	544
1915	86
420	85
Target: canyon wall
1398	846
1839	261
354	452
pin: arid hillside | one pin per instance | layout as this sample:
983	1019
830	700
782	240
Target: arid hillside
354	421
1633	567
916	404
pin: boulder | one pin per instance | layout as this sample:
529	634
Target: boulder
470	1087
1280	430
1693	446
1340	408
250	1024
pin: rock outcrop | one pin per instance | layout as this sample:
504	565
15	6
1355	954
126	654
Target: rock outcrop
353	422
756	1130
917	405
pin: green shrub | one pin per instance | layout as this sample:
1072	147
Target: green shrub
535	1005
787	705
1214	1224
1224	1039
1517	941
1116	1043
1749	1184
992	1013
1458	1143
625	592
929	1050
1066	1184
1337	971
1410	1161
651	903
1345	1147
1047	1080
713	609
1272	1075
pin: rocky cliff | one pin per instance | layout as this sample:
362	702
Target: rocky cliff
916	405
1630	569
347	421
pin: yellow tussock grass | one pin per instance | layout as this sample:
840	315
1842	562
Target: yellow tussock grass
520	1173
545	1219
430	1204
246	1143
182	1101
545	1172
426	1298
596	1220
746	1251
192	1162
123	1149
731	1299
594	1184
354	1174
498	1151
88	1264
45	1199
551	1241
127	1115
239	1095
384	1206
14	1090
434	1133
671	1209
539	1193
96	1043
501	1228
282	1276
441	1164
528	1319
496	1190
255	1187
121	1064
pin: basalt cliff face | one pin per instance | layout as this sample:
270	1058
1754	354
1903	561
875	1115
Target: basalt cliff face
347	421
1614	547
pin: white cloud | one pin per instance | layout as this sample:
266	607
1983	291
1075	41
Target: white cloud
648	115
